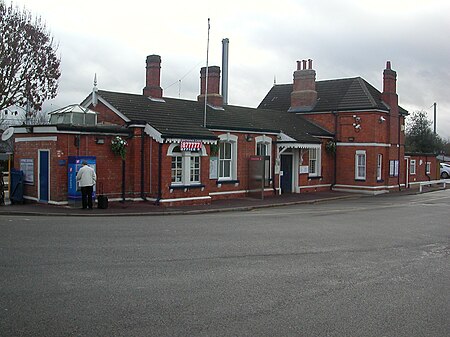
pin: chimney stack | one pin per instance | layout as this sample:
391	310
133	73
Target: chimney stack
153	77
212	96
304	94
389	80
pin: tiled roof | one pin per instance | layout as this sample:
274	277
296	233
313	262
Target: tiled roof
346	94
184	118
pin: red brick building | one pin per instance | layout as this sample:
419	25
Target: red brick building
312	135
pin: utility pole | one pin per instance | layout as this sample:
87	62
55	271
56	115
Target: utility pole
434	105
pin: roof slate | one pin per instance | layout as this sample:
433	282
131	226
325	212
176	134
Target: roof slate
347	94
184	118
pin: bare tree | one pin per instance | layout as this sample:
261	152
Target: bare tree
29	66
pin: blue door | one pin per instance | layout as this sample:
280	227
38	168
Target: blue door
286	178
43	175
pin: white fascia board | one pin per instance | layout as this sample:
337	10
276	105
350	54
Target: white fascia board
241	131
36	139
300	146
88	102
179	140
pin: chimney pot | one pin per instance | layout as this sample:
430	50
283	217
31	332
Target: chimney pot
299	65
309	64
388	65
304	64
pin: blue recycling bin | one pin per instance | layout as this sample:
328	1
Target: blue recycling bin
16	178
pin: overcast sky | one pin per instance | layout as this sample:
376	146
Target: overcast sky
344	38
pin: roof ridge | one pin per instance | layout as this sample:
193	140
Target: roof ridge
366	90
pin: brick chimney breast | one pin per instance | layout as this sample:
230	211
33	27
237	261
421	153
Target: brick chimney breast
153	77
304	94
213	96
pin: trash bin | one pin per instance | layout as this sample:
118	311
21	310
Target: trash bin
16	188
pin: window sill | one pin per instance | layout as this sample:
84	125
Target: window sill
186	187
225	182
315	177
360	179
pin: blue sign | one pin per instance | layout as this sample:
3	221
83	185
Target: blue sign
74	165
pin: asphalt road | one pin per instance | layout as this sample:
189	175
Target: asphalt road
373	266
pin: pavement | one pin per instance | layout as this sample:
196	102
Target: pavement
129	208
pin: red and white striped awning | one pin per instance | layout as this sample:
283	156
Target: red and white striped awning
191	145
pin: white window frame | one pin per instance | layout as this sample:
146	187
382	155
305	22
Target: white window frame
233	141
360	154
314	162
186	168
428	167
194	169
393	168
379	167
412	167
176	172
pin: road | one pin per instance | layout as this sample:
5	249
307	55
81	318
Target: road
370	266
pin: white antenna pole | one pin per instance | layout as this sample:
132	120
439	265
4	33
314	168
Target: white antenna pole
206	80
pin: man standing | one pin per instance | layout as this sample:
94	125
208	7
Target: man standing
86	177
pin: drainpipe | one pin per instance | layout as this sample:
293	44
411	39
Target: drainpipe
273	169
398	153
158	198
335	153
142	165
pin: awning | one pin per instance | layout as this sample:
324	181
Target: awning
191	145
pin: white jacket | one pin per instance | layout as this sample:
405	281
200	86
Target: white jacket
86	176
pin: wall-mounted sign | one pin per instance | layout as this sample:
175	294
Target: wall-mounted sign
190	145
303	169
213	166
27	166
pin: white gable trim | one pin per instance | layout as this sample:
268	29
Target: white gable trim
89	101
153	133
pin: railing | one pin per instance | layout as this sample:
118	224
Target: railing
433	182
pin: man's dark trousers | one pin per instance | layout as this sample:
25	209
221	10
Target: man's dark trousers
86	196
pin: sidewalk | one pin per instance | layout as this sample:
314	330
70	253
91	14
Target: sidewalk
130	208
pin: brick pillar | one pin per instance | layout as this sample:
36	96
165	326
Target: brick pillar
153	77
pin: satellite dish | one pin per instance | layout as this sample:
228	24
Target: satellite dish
7	133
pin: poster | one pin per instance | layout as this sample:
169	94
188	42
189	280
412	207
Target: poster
27	166
213	166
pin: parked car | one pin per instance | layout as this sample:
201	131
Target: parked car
445	170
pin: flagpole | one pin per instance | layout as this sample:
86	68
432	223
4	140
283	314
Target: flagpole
206	80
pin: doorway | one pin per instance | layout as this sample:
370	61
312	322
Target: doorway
44	174
286	178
